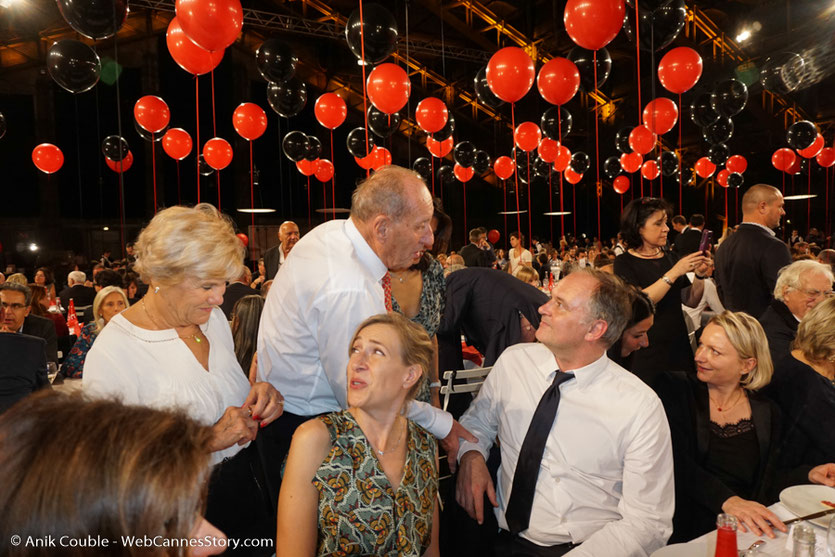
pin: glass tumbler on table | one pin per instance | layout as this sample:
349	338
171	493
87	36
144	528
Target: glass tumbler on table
830	537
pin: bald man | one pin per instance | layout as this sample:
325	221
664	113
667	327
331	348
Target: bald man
747	263
288	235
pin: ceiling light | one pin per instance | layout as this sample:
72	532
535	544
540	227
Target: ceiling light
33	247
106	228
256	210
800	196
743	36
557	213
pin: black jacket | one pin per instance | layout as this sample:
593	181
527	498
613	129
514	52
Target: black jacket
80	294
22	367
44	328
474	256
687	242
271	261
235	292
780	327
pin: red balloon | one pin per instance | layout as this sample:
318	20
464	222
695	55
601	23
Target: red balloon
211	24
527	136
493	236
439	148
330	110
680	69
177	143
794	168
431	114
558	80
120	166
631	162
324	172
572	177
48	158
642	140
563	158
592	24
367	161
783	158
308	168
548	149
736	163
217	153
813	149
151	113
722	177
826	157
187	54
380	157
250	121
504	167
388	87
621	184
243	238
660	115
649	170
510	73
463	173
704	167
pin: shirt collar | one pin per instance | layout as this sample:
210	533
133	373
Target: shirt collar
767	229
585	375
365	254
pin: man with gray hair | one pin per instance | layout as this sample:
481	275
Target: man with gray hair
339	276
592	478
77	291
800	287
288	235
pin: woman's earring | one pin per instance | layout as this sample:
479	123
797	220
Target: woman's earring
156	290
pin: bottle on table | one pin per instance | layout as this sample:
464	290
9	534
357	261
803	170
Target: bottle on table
804	541
726	526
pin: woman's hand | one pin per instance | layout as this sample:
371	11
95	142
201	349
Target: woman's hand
823	474
754	516
686	264
235	426
265	402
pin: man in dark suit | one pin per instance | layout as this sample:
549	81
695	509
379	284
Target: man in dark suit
476	253
76	291
16	299
688	241
288	235
748	261
237	290
23	368
679	223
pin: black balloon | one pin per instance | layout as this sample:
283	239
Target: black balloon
94	18
687	175
115	148
584	61
483	92
73	65
729	97
718	132
611	167
524	164
701	110
555	120
423	166
801	135
718	154
2	125
783	73
657	27
541	168
287	99
148	136
314	148
276	60
295	145
668	163
445	175
735	180
482	163
377	29
580	162
356	142
464	153
382	124
203	167
445	132
622	140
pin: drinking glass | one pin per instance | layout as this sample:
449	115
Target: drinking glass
830	537
51	371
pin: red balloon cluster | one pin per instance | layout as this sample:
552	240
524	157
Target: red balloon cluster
504	167
243	238
783	159
388	87
510	73
812	150
650	170
558	80
621	184
642	140
563	158
192	58
439	149
826	157
572	177
377	158
704	168
48	158
250	121
548	149
151	113
217	153
177	143
631	162
431	114
463	173
527	136
660	115
736	163
120	166
330	110
211	24
680	69
306	167
592	24
324	172
493	236
722	177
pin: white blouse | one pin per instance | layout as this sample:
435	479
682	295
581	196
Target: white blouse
157	369
525	257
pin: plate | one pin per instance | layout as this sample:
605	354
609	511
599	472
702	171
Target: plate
806	499
690	549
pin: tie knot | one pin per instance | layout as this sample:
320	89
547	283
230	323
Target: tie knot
561	377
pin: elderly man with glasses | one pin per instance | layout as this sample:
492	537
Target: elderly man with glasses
16	300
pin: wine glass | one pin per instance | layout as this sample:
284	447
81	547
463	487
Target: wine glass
830	537
51	371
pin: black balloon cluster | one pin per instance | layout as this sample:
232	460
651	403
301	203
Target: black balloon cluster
382	124
801	135
465	154
556	123
377	29
659	23
585	62
783	73
276	63
298	146
712	111
115	148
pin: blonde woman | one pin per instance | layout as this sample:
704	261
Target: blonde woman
109	302
527	275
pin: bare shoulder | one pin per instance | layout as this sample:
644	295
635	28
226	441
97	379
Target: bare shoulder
311	444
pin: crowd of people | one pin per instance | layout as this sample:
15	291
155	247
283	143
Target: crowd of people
633	396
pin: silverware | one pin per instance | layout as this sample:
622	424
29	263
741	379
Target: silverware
751	548
810	516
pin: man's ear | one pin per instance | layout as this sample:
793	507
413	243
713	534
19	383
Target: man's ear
597	329
381	226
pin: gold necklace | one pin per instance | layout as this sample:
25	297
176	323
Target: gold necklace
196	339
396	445
739	398
657	251
398	277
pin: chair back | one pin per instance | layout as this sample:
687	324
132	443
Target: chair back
463	381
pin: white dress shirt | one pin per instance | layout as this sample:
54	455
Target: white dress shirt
710	298
318	299
606	478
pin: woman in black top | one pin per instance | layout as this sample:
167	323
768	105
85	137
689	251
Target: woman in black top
661	275
636	334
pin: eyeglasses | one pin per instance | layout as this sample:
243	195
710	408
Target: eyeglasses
816	294
13	307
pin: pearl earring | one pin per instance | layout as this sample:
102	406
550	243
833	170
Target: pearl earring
156	289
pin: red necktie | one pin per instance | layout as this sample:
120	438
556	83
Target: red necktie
386	281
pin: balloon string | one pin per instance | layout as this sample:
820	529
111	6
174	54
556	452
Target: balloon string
551	204
638	60
464	184
179	193
154	170
504	202
364	88
530	191
516	176
736	205
78	159
214	114
251	186
432	170
324	201
574	207
559	133
309	217
678	157
217	179
598	187
727	217
197	136
809	201
119	128
333	182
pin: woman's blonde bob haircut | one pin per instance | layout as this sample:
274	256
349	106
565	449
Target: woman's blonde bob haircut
747	337
526	274
415	345
197	243
816	333
99	300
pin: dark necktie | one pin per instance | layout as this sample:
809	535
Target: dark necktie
518	513
386	282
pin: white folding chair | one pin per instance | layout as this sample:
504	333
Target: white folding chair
472	380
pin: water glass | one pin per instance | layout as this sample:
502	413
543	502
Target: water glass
51	371
830	537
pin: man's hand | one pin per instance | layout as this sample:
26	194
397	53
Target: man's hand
450	443
472	483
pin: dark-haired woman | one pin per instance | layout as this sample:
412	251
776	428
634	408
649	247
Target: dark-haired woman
661	274
636	334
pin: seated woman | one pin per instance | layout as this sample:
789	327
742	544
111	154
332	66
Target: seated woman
635	335
109	301
40	307
246	316
725	434
80	469
527	275
364	480
44	277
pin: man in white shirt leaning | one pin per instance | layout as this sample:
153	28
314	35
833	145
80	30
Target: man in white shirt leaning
595	476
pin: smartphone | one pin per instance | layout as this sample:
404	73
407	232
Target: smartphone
704	244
